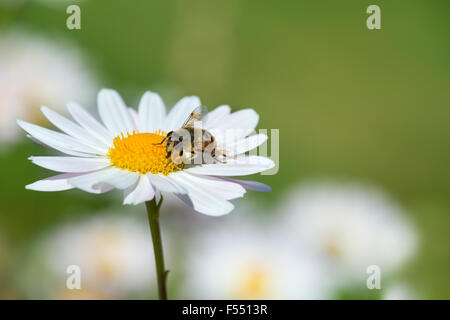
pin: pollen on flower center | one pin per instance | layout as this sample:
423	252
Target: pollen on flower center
141	152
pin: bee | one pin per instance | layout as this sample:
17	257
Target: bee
192	144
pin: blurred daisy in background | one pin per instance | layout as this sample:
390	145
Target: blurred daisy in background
398	291
350	227
35	71
127	152
238	261
114	253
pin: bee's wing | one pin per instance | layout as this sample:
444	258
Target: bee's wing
197	115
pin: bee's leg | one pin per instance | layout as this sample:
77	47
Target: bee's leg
161	141
168	162
169	155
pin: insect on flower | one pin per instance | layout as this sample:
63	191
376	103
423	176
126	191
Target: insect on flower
193	144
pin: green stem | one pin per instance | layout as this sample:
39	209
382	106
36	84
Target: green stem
153	218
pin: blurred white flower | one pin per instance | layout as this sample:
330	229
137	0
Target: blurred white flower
236	261
350	227
35	72
398	291
114	254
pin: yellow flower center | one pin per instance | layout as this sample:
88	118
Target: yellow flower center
141	152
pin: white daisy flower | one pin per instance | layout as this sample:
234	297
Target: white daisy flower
36	71
113	254
351	227
239	262
125	152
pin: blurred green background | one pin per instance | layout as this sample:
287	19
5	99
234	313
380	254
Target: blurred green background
350	103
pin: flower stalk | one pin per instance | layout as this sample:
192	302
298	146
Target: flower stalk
161	273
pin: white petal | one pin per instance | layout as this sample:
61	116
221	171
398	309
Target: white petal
158	196
60	183
123	180
73	130
240	166
114	112
242	122
142	192
90	123
250	185
38	141
71	164
180	112
216	116
57	140
66	151
220	188
99	188
165	183
152	112
204	201
55	183
244	145
49	185
185	198
118	178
